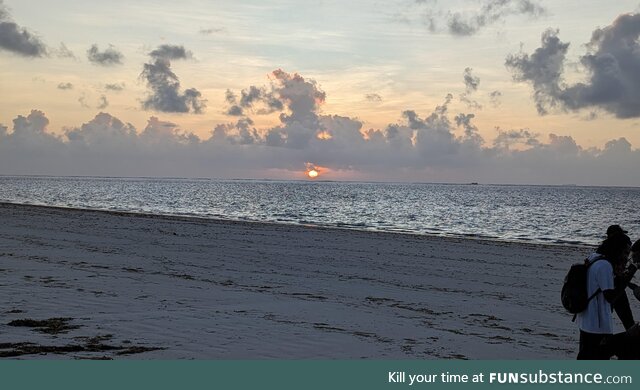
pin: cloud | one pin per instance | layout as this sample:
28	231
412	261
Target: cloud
104	130
103	102
31	145
303	99
116	87
476	16
471	82
494	98
64	52
108	57
213	30
253	97
373	97
240	133
83	101
472	104
543	68
65	86
235	110
465	24
18	40
524	137
612	65
591	116
437	145
299	98
171	52
164	86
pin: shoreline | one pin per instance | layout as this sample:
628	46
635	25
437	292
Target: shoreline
156	287
181	217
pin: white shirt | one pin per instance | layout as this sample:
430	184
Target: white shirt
597	317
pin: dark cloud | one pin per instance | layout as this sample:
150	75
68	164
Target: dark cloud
591	116
264	101
116	87
543	68
492	11
415	148
83	101
165	90
302	98
240	133
232	99
18	40
476	16
34	124
471	134
102	102
109	57
373	97
439	145
494	98
471	103
506	139
105	130
471	82
30	145
612	65
235	110
171	52
65	86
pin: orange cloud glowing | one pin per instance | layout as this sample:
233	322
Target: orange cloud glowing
324	135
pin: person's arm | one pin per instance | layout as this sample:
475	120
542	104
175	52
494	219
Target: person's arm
621	281
629	273
613	294
623	310
636	290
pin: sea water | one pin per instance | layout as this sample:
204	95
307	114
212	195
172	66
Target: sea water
551	214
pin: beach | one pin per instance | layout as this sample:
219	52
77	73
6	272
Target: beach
100	285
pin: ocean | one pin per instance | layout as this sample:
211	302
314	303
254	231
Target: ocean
544	214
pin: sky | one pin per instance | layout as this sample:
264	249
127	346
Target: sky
491	91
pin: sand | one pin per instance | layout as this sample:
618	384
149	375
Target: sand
118	285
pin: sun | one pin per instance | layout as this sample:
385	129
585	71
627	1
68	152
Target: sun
312	173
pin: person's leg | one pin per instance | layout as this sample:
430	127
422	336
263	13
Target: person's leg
591	347
624	346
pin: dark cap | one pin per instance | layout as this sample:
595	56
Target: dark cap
615	229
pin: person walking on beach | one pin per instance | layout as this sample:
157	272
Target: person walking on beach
635	261
596	322
621	306
626	345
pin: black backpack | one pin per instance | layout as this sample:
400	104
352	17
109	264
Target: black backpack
574	290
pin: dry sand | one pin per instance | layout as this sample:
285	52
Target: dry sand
148	287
